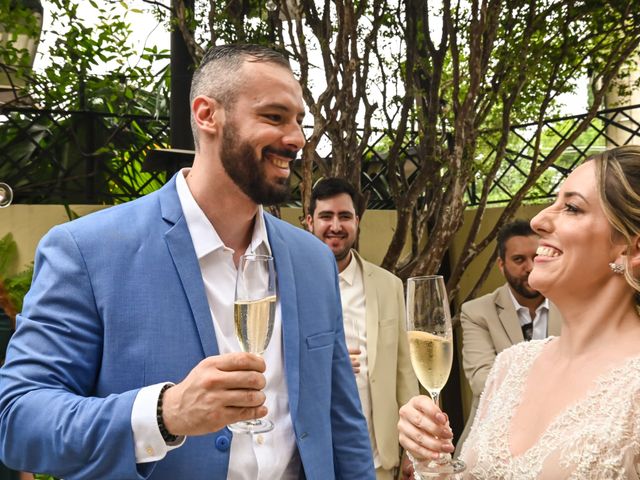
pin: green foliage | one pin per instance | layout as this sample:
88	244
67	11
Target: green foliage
8	254
246	22
135	85
17	19
82	47
513	174
42	476
16	285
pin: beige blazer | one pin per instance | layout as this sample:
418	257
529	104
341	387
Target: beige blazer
490	325
391	379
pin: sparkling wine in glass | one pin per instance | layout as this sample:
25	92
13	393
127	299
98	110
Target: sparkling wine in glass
254	313
431	350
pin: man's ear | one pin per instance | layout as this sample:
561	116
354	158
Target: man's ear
208	114
500	263
309	223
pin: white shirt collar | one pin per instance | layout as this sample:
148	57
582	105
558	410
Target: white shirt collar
517	306
203	234
350	271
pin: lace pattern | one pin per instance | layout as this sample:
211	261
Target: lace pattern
596	438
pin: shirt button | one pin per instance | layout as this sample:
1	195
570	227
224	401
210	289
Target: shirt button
222	443
149	451
259	439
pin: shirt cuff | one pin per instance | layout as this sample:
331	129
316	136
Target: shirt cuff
149	444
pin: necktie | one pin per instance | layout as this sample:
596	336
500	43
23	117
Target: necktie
527	331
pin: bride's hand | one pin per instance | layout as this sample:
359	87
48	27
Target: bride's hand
424	429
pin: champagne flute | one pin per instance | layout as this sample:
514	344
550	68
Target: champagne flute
431	350
254	312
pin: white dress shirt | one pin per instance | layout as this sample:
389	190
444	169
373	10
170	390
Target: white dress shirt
355	331
252	457
540	321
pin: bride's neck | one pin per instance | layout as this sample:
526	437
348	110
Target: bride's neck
599	323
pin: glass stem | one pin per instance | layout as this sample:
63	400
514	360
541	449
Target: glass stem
444	457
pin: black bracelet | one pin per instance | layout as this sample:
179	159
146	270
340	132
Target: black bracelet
167	437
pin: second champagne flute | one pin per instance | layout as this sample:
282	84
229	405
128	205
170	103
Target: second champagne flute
431	350
254	313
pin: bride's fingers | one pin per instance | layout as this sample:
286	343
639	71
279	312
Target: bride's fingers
422	443
418	451
433	427
425	405
426	416
446	417
425	430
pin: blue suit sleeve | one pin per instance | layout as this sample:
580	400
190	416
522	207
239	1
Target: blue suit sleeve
51	419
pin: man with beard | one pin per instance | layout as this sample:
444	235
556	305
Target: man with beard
512	313
125	363
373	312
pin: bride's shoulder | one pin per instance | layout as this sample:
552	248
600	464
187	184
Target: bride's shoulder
522	352
631	370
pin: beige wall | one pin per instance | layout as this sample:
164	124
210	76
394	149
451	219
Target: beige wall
28	223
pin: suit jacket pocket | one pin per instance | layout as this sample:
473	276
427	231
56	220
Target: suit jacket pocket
320	340
389	322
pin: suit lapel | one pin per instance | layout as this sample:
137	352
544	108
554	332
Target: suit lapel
184	258
508	315
371	312
289	311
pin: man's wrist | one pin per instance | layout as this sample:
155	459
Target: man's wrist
167	436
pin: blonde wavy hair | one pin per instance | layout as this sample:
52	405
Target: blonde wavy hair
618	184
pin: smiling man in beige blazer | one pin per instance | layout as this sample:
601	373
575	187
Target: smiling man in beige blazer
510	314
373	312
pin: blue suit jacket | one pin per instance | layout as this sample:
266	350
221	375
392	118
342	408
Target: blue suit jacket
117	303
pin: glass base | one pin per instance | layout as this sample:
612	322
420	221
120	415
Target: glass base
259	425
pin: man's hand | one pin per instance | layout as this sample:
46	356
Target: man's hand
354	355
220	390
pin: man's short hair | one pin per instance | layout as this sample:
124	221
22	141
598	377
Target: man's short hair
517	228
331	187
218	74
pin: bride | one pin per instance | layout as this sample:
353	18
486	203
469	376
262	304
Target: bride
569	406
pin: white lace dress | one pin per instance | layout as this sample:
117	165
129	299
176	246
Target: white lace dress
597	437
